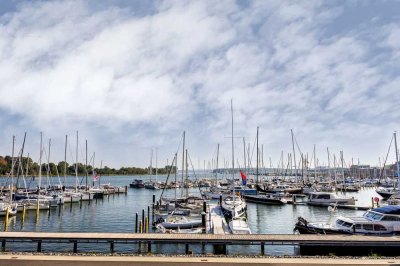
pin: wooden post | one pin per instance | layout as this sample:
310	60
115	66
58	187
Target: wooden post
39	246
3	245
149	247
262	248
136	222
143	217
141	227
75	246
111	246
6	219
186	248
23	214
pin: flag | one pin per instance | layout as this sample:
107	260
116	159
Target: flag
96	176
244	178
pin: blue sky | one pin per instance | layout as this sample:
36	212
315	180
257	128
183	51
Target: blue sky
131	76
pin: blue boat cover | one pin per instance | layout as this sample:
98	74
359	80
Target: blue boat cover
391	209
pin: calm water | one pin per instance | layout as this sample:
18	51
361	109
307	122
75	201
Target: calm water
116	213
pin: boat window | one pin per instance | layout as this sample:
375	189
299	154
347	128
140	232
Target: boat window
347	224
373	215
390	218
368	227
379	227
324	196
358	226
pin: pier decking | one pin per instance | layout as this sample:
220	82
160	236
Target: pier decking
147	239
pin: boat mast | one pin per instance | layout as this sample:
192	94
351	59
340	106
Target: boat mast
156	165
315	164
216	174
294	155
257	159
183	162
86	166
76	164
65	159
12	169
40	162
244	154
397	160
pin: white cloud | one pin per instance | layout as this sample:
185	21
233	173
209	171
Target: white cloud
132	81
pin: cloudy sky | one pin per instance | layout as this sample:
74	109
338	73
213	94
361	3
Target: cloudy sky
133	75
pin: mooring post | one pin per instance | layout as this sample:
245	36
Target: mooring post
152	210
149	247
203	248
186	248
262	248
143	217
75	246
111	246
136	222
220	200
39	246
203	221
126	190
148	213
3	245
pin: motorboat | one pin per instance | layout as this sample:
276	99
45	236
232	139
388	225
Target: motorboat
181	222
327	199
379	221
268	198
239	226
233	206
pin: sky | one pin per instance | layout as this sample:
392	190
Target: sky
131	76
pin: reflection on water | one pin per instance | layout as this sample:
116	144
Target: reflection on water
116	213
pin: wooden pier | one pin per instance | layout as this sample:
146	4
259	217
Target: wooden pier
308	241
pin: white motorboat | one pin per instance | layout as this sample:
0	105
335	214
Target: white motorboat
327	198
379	221
239	226
181	222
233	206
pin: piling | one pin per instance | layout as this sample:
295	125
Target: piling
152	210
141	227
146	224
3	245
143	216
203	222
39	246
262	248
111	246
126	190
23	213
148	212
136	222
149	247
75	246
220	200
186	248
6	219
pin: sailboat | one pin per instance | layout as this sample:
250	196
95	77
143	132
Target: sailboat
233	207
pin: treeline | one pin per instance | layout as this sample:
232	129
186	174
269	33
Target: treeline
28	167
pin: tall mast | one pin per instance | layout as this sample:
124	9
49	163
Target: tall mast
257	159
76	163
244	154
183	162
341	158
233	150
186	175
12	169
40	161
86	166
216	174
65	159
156	165
294	154
315	164
397	160
94	156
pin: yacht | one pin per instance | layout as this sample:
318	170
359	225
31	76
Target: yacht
233	206
239	226
379	221
327	199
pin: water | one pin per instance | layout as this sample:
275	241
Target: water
116	213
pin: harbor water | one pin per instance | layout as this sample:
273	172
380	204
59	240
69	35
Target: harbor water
116	213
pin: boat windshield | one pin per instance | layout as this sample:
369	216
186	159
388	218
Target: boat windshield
373	216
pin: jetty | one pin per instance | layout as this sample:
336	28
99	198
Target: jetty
307	242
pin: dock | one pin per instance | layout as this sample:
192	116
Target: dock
217	223
307	242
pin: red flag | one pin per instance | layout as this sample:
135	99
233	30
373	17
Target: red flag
243	175
244	178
